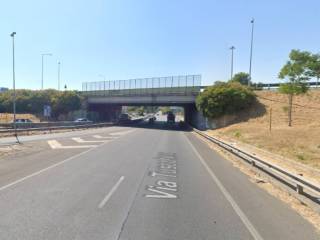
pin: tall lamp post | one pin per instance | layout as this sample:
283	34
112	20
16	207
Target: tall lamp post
14	87
42	57
251	49
232	49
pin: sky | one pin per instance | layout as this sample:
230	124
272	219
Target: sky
125	39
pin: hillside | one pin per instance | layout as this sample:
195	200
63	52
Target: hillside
301	142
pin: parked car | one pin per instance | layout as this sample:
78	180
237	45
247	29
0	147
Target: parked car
82	120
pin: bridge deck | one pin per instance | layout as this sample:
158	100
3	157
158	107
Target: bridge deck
174	91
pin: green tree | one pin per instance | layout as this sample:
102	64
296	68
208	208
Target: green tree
314	66
224	98
165	109
242	78
64	102
296	72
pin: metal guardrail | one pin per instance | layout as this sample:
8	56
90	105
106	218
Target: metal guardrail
298	182
92	125
41	124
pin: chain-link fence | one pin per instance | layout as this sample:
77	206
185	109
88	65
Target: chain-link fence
189	84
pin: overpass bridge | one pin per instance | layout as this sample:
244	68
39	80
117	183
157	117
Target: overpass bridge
108	97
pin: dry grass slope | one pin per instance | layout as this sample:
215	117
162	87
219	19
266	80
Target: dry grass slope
8	117
301	142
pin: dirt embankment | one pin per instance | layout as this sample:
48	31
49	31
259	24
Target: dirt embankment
300	143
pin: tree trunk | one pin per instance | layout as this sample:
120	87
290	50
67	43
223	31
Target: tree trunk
290	110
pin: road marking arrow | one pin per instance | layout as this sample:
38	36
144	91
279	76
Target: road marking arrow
101	137
56	145
80	140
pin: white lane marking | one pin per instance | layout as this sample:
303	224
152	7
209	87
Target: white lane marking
255	234
122	132
108	196
54	144
45	169
80	140
102	137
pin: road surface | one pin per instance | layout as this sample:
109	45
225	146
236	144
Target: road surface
134	183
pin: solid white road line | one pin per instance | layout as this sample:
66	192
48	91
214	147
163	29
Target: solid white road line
108	196
255	234
80	140
56	145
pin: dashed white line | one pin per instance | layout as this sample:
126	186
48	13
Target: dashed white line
108	196
255	234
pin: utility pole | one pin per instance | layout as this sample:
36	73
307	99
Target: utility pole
251	49
42	56
232	49
14	87
58	75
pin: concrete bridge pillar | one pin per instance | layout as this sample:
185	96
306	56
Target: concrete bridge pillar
194	117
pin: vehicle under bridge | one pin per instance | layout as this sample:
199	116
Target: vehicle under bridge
108	97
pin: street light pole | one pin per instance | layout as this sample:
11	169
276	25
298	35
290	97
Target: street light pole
42	56
58	75
14	87
232	49
251	49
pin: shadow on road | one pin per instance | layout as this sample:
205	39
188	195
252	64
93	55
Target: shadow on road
159	126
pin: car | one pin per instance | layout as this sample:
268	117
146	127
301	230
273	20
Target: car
23	120
152	119
171	117
124	118
82	120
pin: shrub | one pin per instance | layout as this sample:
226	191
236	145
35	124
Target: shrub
225	98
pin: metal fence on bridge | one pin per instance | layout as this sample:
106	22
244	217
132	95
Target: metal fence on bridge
189	84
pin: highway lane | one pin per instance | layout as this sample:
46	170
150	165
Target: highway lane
143	184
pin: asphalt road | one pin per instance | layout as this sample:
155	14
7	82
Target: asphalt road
134	183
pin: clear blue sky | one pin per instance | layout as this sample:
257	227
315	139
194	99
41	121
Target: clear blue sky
125	39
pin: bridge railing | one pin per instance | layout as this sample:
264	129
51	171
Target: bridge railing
174	85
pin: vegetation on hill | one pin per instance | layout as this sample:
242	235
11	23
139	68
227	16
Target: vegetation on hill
242	78
30	101
225	98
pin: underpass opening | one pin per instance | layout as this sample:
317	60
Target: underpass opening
107	98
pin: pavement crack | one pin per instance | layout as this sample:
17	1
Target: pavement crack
134	199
